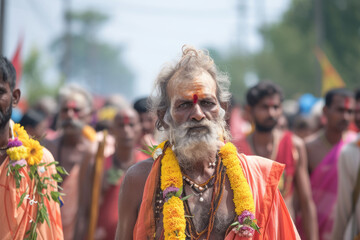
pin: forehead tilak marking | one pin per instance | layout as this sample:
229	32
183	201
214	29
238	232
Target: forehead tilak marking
126	119
195	98
347	103
71	104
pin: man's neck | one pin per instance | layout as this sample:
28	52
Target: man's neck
263	138
123	156
201	171
333	136
71	139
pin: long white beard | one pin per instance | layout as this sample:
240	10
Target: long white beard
192	146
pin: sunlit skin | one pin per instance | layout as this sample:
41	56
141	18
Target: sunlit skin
185	106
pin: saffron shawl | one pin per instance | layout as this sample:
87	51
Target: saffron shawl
15	222
263	177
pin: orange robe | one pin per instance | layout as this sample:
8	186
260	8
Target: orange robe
15	222
263	176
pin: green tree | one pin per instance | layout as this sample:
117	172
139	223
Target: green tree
33	79
288	55
89	60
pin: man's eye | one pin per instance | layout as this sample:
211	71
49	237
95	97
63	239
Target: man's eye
207	103
184	105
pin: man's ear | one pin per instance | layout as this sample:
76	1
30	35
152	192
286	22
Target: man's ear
225	106
248	112
325	110
15	97
161	115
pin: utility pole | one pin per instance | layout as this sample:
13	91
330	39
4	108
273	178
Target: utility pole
67	53
2	26
319	33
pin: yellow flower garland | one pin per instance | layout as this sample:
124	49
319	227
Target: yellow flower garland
243	199
171	176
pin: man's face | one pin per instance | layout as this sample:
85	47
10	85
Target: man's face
193	100
126	127
266	113
357	113
74	112
148	121
6	103
340	113
195	118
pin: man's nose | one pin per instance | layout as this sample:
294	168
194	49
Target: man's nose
197	113
272	111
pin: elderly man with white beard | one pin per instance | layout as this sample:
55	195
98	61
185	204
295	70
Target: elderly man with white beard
197	186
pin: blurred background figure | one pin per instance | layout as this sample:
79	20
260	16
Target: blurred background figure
148	121
323	149
35	123
347	210
125	129
74	148
303	126
271	139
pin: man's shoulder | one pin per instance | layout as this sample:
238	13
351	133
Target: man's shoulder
260	167
140	170
313	139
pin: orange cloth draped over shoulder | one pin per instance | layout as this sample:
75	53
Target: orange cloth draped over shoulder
263	176
15	222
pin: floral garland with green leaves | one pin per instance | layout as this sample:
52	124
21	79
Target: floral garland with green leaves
24	151
172	184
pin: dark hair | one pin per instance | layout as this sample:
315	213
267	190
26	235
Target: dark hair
7	72
32	118
357	94
192	62
261	90
142	105
337	92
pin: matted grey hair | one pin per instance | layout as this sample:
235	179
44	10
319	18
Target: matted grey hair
192	63
72	89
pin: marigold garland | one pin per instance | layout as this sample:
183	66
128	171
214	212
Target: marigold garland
171	181
35	152
174	219
243	198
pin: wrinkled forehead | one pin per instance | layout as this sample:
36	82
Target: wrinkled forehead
201	85
75	101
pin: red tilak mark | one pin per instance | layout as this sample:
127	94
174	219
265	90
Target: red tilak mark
126	119
347	103
195	98
71	104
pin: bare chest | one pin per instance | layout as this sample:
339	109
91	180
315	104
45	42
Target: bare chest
205	216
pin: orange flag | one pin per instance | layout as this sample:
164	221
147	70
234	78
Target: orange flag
330	77
16	61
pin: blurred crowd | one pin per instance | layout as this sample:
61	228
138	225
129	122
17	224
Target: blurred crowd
97	140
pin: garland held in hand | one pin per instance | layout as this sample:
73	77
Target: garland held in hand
172	184
24	151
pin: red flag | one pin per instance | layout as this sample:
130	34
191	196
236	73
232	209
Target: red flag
16	61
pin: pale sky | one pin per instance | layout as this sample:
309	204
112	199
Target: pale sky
152	31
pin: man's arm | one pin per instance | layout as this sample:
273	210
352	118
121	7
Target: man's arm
130	198
302	184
